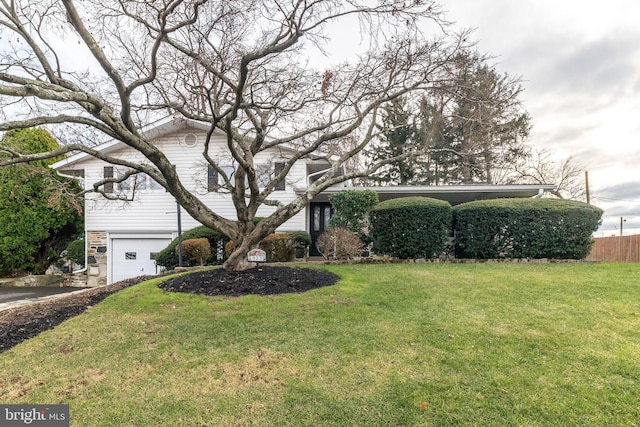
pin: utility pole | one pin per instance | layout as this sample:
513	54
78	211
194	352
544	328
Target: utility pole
586	183
621	221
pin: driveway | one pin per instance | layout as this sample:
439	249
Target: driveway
10	297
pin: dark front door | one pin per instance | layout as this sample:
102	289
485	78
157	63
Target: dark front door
319	217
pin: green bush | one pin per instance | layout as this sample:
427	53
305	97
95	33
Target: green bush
351	209
301	243
168	257
279	247
410	227
76	252
525	228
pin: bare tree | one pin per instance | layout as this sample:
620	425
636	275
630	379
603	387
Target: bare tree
540	168
239	67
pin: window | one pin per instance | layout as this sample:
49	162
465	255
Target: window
278	168
140	181
108	173
214	181
267	172
130	256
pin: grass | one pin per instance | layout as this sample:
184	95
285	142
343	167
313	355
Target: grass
390	345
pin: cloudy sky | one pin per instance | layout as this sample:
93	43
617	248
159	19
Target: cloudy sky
580	65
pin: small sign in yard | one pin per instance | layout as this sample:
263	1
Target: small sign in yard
257	256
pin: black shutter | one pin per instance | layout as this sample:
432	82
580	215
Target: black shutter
212	179
278	168
108	173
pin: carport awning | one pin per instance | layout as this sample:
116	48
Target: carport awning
454	194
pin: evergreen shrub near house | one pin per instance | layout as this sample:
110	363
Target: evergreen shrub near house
168	257
525	228
39	210
76	252
411	227
301	242
280	247
351	208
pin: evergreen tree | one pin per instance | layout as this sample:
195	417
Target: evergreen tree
469	133
399	136
38	213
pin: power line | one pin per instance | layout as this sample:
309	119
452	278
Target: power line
617	200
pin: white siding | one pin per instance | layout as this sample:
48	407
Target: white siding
155	210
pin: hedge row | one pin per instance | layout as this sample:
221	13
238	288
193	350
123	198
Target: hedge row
419	227
525	228
410	227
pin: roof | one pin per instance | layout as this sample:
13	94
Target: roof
156	129
454	194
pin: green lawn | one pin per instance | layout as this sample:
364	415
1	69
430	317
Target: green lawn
389	345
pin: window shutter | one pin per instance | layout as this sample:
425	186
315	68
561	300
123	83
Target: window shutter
212	179
108	173
278	168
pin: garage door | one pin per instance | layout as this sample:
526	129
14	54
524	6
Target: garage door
131	257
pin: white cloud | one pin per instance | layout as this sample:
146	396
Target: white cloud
579	62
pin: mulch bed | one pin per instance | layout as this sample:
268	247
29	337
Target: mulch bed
265	280
21	323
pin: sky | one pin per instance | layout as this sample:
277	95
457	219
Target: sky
579	62
580	66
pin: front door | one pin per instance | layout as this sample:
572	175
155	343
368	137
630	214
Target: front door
319	216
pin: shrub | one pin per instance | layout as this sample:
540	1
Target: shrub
301	239
76	252
351	208
279	247
411	227
229	247
301	242
196	250
168	257
525	228
339	243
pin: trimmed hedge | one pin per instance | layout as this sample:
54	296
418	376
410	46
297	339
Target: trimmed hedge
168	257
525	228
410	227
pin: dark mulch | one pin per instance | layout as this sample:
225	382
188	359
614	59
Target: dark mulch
21	323
265	280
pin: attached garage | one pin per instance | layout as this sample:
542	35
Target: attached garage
133	255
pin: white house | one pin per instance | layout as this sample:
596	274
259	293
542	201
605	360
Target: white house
123	237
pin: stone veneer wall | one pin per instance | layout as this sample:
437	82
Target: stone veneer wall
97	258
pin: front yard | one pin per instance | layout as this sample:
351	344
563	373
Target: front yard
419	344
